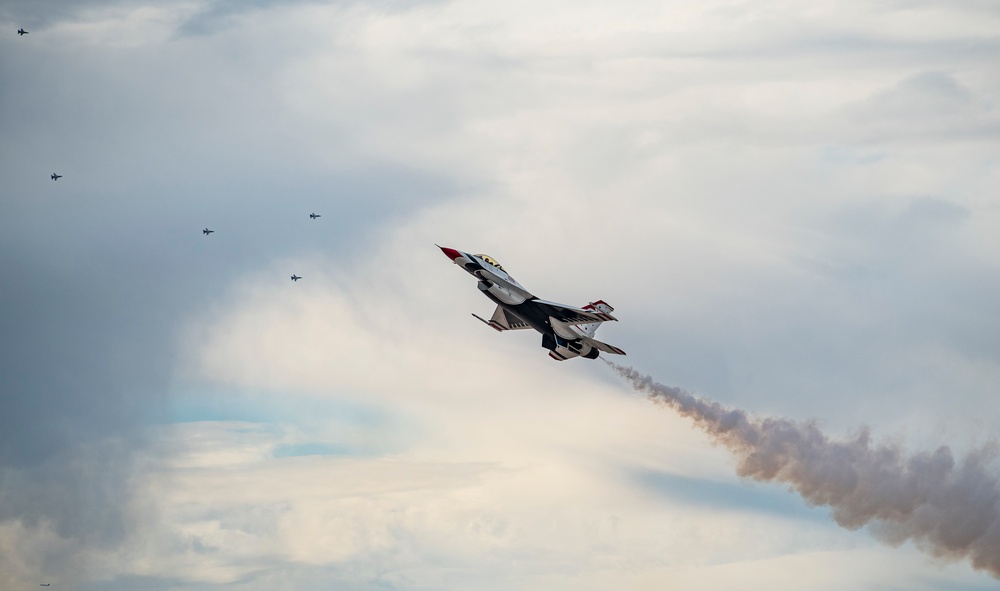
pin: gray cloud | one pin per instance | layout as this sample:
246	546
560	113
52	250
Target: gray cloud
276	575
39	16
881	297
164	138
104	264
720	496
220	14
210	16
930	103
85	353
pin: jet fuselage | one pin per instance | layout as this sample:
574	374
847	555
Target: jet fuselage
566	331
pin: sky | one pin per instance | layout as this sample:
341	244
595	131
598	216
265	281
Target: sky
792	208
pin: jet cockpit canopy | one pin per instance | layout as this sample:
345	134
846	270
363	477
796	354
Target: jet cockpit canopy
491	261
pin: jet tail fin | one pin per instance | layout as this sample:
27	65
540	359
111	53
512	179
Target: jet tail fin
589	329
601	307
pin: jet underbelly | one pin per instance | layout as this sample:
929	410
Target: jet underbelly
566	331
502	294
562	340
532	315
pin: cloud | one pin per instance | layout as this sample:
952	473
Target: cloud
456	465
196	18
107	263
81	373
789	208
931	102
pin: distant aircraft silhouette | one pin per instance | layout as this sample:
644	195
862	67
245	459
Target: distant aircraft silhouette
315	215
56	177
206	231
295	277
21	32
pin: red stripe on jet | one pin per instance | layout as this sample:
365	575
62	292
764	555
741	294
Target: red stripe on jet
451	253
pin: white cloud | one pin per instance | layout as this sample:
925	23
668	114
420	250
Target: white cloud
510	464
734	178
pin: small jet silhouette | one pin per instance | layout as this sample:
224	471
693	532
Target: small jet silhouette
314	215
295	277
21	32
56	177
206	231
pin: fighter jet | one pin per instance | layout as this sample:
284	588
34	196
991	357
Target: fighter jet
314	216
567	331
56	177
21	32
206	231
295	277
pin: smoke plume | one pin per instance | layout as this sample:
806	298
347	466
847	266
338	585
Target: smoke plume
950	508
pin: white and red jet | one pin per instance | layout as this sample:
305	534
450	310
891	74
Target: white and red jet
567	331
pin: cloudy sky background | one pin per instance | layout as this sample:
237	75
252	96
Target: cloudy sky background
792	208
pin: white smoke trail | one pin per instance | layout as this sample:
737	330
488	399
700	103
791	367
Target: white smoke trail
949	508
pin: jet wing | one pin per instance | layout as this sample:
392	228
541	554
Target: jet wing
503	320
572	315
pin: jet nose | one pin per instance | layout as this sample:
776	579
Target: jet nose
451	253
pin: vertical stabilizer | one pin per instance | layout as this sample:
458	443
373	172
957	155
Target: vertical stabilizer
598	306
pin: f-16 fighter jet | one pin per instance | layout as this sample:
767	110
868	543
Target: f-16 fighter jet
567	331
295	277
206	231
314	216
56	177
21	32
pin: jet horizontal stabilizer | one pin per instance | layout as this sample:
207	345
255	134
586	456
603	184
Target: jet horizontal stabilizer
503	320
487	323
602	346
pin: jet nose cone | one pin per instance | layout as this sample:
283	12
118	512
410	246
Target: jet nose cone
451	253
